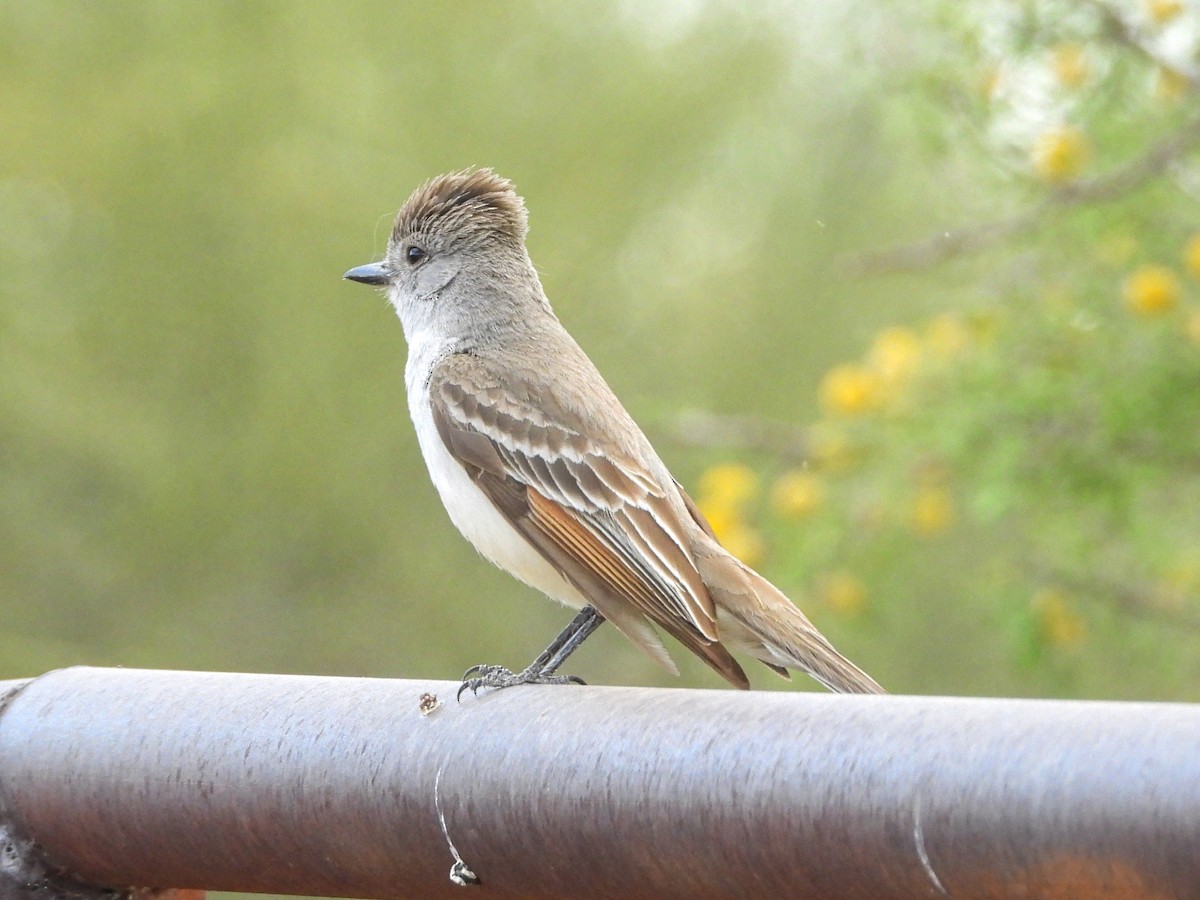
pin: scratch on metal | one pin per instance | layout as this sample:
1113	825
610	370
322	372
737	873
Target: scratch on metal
460	872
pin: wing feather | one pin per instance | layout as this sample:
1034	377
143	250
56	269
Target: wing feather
592	510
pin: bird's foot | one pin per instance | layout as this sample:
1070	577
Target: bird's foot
497	677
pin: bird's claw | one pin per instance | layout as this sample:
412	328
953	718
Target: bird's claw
498	677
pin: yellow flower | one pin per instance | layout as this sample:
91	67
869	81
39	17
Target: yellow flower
850	389
932	510
1058	621
1151	291
733	532
1070	65
1191	255
946	335
721	517
1171	84
728	485
1163	11
1060	154
895	354
745	543
843	593
797	494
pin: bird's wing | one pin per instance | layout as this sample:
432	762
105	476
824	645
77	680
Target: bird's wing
594	512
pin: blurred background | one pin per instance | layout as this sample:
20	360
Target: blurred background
905	294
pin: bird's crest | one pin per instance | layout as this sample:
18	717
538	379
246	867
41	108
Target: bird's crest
471	203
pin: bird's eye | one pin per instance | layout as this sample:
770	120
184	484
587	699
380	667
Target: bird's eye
414	255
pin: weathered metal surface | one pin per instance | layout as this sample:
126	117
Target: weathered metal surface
26	873
333	786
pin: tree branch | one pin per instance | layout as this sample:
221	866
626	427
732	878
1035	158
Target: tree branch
937	248
1125	32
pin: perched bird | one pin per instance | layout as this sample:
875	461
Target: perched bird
543	470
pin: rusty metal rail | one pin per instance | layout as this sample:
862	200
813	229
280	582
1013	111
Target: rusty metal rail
352	787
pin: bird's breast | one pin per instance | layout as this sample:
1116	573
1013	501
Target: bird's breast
473	514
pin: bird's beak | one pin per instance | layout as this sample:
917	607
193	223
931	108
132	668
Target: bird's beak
371	273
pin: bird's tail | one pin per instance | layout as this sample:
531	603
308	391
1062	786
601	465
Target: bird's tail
756	617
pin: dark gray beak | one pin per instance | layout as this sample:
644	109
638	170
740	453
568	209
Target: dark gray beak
371	273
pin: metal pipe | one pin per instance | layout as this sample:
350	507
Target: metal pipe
352	787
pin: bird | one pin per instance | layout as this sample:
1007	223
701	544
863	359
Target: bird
544	471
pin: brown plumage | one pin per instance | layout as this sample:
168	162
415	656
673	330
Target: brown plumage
541	467
475	202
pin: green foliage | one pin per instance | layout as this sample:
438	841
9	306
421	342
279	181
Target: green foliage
206	460
1044	447
206	455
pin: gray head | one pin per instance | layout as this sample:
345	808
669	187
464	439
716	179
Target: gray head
456	261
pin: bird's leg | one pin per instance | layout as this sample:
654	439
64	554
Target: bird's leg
568	641
542	669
